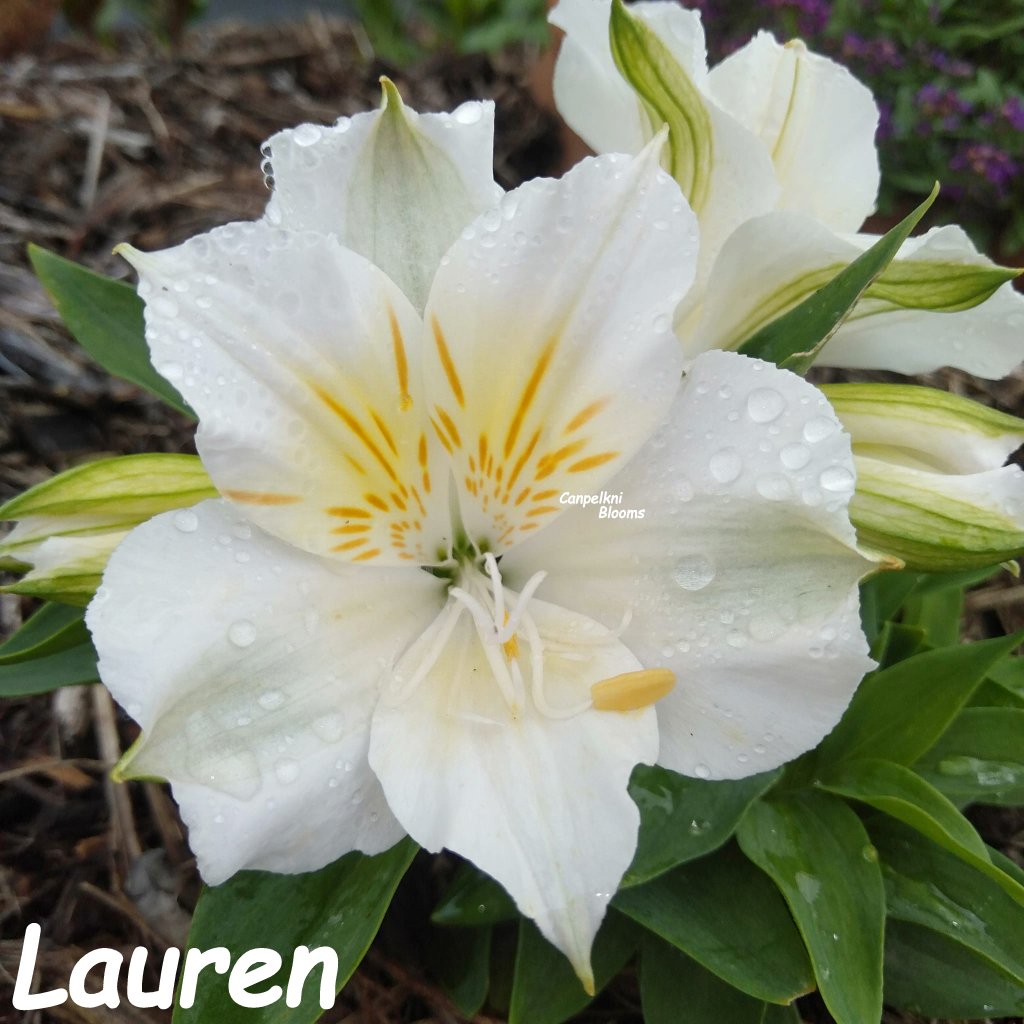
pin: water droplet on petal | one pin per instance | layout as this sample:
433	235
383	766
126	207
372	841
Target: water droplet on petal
286	770
702	771
693	573
725	466
186	520
765	405
836	478
468	113
242	633
306	135
795	456
270	700
818	428
774	487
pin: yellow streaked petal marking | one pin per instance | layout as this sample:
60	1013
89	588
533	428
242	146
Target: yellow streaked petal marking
376	502
365	556
349	512
352	528
586	414
529	393
262	497
449	425
357	428
592	461
401	362
349	545
446	362
632	691
384	432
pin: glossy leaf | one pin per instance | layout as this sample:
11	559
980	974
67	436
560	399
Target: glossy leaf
897	713
340	906
545	990
900	793
816	851
726	914
473	899
795	339
938	613
980	758
69	667
54	628
928	974
105	317
683	818
930	888
881	597
896	642
675	989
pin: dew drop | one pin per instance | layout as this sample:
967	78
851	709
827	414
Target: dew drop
682	490
330	728
468	113
270	700
818	428
836	478
186	520
242	633
795	456
171	371
774	487
765	405
286	770
306	135
702	771
725	466
693	573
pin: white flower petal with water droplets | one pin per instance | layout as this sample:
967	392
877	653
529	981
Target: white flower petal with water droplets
539	803
553	356
302	360
742	576
392	184
254	679
816	120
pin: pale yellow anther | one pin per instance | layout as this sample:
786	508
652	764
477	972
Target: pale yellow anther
632	690
510	646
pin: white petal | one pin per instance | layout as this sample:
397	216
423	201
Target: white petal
553	356
602	108
593	98
815	118
540	804
302	360
394	185
253	669
742	575
987	340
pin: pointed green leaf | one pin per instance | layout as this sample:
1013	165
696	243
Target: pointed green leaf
105	317
69	667
675	989
795	339
726	915
980	758
669	96
897	713
929	974
900	793
340	906
54	628
930	888
816	851
683	818
460	960
545	990
945	287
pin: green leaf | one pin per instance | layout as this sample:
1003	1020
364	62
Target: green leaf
881	597
980	758
794	339
940	287
473	899
54	628
683	818
930	888
675	989
897	713
900	793
726	915
896	643
340	906
669	97
816	851
68	667
545	990
931	975
460	960
105	317
938	613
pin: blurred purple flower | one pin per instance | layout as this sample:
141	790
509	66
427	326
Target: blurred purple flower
988	162
1013	111
811	15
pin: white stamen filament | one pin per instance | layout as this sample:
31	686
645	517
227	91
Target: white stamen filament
509	629
540	699
434	651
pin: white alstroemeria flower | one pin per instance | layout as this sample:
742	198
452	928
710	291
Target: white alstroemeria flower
308	689
932	484
939	304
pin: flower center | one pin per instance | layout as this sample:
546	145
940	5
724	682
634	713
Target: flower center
515	647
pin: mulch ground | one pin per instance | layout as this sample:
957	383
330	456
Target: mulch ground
139	143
